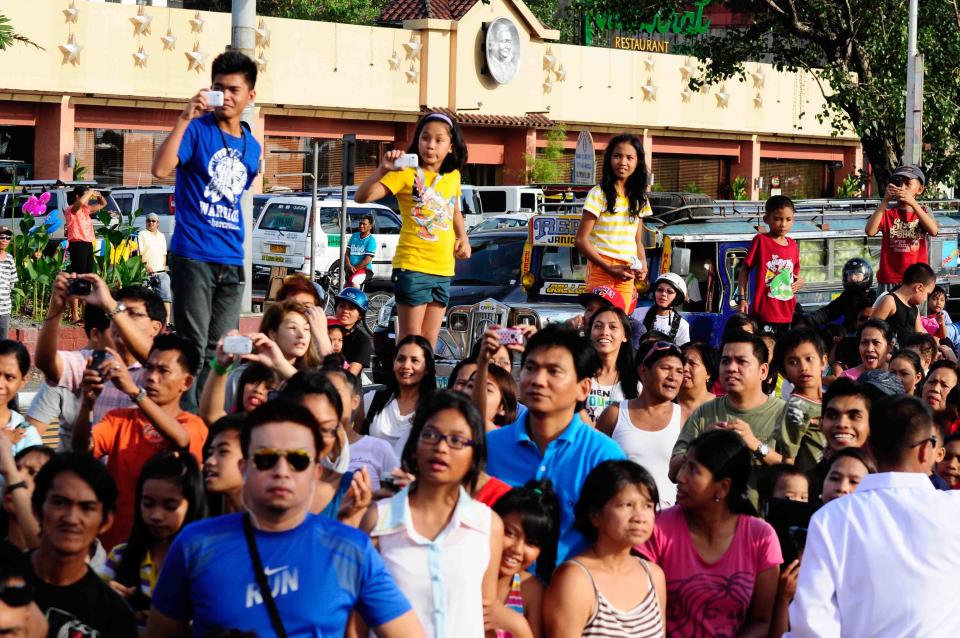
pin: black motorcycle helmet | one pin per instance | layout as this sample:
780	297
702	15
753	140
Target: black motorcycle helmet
857	275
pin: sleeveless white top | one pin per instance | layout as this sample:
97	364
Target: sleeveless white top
652	450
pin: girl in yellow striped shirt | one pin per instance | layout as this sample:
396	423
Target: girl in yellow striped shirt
610	234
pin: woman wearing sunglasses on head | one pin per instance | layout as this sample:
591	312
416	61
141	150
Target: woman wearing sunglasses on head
646	428
442	547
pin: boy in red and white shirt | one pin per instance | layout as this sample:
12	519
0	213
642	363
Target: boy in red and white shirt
904	224
776	260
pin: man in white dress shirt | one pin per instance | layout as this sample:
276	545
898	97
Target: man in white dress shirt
884	560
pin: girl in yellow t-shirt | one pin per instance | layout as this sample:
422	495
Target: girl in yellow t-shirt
433	233
610	234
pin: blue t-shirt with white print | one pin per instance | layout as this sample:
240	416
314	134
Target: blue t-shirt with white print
215	168
318	573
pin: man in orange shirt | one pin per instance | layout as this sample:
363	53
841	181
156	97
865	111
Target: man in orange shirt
128	437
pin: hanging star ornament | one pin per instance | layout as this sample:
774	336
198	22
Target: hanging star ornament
649	91
561	74
394	61
549	61
412	48
141	22
71	13
548	85
686	94
196	23
262	62
263	34
412	73
758	79
71	51
723	98
649	62
758	101
169	41
140	58
195	58
687	70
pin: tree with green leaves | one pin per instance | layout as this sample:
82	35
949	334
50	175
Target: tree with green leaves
545	168
9	37
856	50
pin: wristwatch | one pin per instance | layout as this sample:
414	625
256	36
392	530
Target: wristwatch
139	396
762	451
120	307
15	486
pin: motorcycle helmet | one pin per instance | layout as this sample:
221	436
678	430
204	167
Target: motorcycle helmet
677	283
857	275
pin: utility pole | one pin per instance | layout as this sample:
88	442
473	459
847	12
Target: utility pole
347	174
913	124
244	39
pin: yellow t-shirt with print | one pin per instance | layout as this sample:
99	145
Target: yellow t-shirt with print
427	237
615	234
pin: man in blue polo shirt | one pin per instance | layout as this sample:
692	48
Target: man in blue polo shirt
216	158
317	570
551	440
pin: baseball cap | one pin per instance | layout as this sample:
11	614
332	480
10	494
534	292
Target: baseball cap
911	171
882	383
153	217
604	294
6	232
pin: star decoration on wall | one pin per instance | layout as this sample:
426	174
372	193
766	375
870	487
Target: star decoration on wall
71	13
412	48
688	69
169	41
394	61
412	73
549	61
548	85
262	62
196	23
263	34
71	51
758	79
649	62
141	22
723	98
561	74
758	101
140	58
686	94
649	91
195	58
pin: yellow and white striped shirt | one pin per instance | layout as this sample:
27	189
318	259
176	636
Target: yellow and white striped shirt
614	234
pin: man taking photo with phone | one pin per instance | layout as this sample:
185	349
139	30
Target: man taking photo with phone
216	158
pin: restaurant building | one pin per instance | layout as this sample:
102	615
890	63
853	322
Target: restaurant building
111	78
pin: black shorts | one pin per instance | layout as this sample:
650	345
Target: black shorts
81	257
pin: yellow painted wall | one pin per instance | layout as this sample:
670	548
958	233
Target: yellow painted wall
331	66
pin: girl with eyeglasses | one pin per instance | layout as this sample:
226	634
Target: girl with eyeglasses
646	428
441	546
616	380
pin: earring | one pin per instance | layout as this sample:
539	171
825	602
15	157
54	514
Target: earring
716	499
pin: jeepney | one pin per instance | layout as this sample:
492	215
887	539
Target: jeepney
705	243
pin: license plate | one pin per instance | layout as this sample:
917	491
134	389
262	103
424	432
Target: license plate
271	258
277	248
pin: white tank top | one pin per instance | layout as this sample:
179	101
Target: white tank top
652	450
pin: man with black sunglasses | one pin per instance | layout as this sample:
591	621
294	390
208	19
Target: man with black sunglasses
883	560
904	225
277	570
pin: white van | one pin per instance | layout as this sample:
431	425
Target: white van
497	200
281	232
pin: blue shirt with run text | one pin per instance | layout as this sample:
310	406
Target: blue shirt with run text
515	459
359	247
215	168
318	572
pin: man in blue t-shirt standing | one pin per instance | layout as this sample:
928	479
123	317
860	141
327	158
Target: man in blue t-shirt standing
361	251
313	571
216	158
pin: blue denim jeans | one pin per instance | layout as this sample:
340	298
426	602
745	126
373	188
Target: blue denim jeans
206	303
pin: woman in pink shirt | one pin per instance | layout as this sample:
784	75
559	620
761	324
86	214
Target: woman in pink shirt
80	236
721	562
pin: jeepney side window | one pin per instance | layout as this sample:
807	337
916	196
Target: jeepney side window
733	263
845	249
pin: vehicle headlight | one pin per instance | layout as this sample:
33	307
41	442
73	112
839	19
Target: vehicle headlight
528	280
643	287
386	311
458	322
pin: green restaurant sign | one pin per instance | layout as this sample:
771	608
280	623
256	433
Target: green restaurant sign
689	23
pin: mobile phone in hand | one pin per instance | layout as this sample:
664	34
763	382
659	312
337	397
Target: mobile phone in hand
79	288
214	98
97	359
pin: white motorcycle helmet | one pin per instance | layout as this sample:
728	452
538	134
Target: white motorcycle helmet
676	281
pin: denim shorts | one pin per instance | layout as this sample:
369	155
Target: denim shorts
417	289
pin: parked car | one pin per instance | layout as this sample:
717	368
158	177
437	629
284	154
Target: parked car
148	199
11	205
280	236
510	199
506	220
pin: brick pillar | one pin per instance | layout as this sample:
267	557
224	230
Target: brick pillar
53	139
517	145
748	166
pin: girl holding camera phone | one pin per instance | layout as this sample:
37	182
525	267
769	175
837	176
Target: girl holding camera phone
80	237
433	232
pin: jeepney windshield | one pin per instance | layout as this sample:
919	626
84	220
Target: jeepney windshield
493	261
563	263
